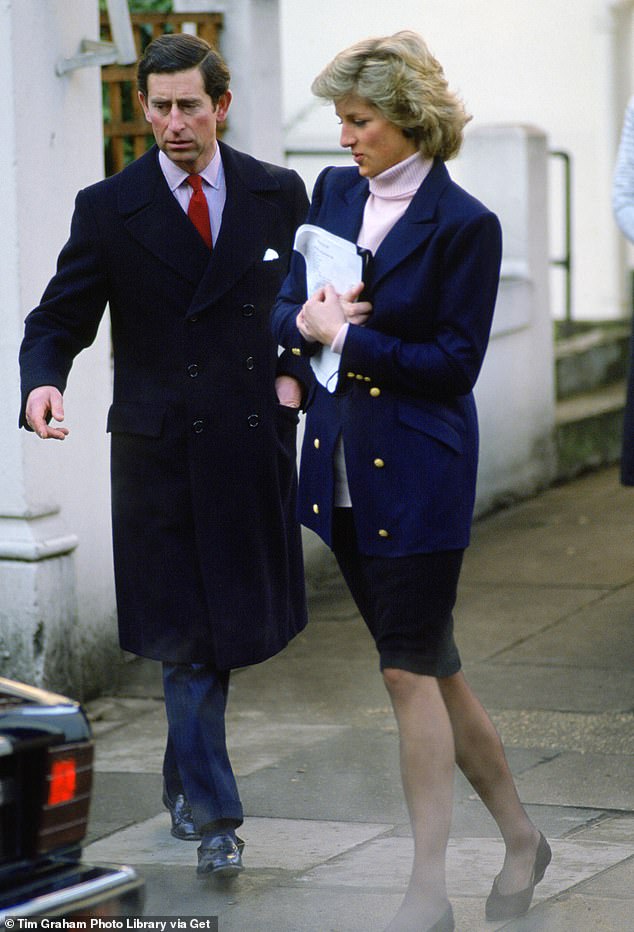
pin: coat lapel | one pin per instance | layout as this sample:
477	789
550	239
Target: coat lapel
245	220
152	215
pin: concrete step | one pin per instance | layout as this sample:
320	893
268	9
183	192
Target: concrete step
588	430
594	357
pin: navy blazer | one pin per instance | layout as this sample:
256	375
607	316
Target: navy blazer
404	402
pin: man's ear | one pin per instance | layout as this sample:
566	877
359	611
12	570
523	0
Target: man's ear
143	103
222	107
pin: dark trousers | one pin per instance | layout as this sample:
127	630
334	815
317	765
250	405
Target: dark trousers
196	762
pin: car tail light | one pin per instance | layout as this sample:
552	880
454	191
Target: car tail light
62	781
64	814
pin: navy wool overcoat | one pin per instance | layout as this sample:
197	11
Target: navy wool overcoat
207	549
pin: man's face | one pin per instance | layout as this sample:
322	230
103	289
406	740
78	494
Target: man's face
183	117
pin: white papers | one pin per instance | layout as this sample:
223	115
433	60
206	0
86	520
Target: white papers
330	260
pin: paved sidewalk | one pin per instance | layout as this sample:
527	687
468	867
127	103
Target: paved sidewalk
545	623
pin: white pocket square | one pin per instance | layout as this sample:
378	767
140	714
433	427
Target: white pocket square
269	255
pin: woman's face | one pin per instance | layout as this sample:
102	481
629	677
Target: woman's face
376	144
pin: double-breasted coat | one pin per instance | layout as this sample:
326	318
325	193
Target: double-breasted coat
404	404
207	550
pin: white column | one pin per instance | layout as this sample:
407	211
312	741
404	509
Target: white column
57	615
250	44
506	167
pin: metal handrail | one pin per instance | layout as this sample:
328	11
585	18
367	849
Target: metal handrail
565	262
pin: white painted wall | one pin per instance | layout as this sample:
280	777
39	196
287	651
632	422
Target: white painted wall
249	41
561	66
506	167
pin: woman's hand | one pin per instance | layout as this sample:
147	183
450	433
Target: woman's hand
325	312
357	312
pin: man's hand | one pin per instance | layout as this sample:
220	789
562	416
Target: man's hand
289	391
42	404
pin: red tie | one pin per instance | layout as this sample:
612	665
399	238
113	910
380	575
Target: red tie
198	210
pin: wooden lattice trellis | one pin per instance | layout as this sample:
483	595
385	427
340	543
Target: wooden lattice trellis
127	134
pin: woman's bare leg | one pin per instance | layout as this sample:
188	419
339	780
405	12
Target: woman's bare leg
427	766
480	756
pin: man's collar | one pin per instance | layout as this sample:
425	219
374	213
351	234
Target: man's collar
175	176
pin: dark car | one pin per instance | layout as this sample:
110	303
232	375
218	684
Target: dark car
46	754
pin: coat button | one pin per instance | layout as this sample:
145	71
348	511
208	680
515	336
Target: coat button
375	392
383	533
248	310
193	320
378	462
316	509
351	375
198	426
250	363
193	370
316	443
296	351
253	420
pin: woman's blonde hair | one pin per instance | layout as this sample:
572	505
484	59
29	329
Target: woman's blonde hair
400	77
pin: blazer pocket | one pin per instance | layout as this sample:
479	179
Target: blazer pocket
145	420
431	424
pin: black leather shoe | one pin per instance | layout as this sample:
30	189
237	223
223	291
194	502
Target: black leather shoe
499	906
220	856
182	820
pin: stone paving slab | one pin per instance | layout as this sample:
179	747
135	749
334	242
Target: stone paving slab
502	684
472	863
577	913
595	781
493	618
614	829
580	641
272	844
601	733
354	873
122	799
616	882
311	911
255	740
545	557
471	820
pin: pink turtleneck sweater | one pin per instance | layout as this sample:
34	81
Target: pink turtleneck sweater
390	195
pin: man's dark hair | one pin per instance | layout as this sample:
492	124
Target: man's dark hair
180	52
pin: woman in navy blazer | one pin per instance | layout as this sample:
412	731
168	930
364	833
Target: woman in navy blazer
389	459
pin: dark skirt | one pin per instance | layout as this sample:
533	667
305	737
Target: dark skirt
406	602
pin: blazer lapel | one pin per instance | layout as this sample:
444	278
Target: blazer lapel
152	215
347	219
414	227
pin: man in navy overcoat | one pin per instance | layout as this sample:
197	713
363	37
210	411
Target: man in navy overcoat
207	550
